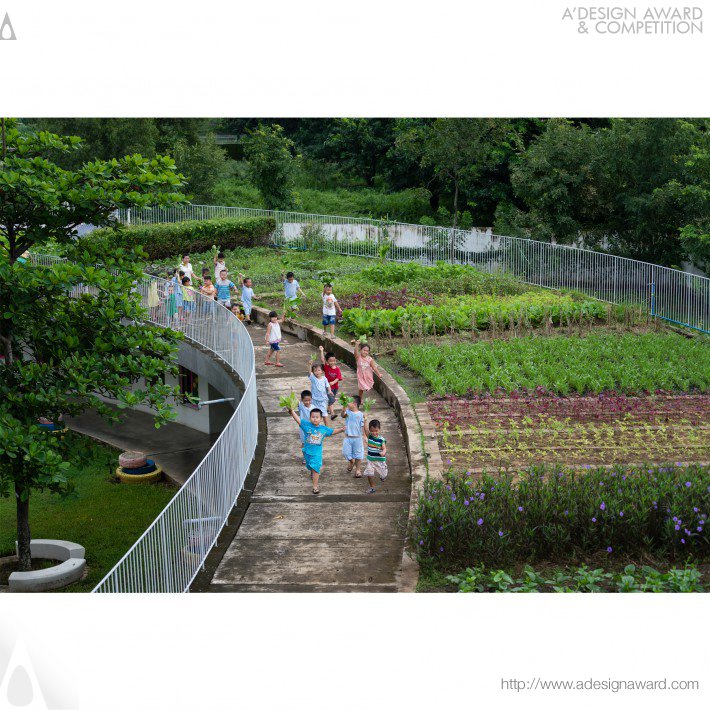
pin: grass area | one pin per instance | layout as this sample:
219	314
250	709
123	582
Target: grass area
562	365
408	205
102	515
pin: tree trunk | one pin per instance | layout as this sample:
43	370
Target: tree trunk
23	532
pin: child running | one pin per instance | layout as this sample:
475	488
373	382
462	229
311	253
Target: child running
333	375
376	455
365	367
273	338
247	296
224	286
353	449
305	406
314	432
320	388
330	305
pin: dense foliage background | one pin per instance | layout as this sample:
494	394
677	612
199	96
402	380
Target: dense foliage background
636	187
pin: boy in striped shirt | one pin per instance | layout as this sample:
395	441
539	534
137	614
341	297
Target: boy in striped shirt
376	455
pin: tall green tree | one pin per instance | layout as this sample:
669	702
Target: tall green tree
70	332
629	187
271	164
457	150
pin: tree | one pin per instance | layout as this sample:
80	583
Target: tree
458	150
70	332
270	157
203	163
188	140
628	187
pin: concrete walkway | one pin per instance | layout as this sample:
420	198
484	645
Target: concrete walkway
291	540
176	448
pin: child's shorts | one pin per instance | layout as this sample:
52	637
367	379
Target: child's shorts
376	468
189	305
353	448
275	347
247	309
331	398
328	320
226	302
313	463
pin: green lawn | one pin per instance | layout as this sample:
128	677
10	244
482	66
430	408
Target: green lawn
104	516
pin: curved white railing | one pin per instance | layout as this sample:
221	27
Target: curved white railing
171	552
669	294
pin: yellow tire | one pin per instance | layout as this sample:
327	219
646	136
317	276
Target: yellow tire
151	477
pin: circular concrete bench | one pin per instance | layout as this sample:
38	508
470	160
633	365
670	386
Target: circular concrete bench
69	570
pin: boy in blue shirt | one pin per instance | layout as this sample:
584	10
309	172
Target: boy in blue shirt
292	288
224	286
247	296
353	445
314	432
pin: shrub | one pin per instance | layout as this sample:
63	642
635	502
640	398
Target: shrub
161	241
557	513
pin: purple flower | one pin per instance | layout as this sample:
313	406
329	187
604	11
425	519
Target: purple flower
594	520
682	540
483	495
479	521
699	529
621	513
602	506
421	542
687	484
429	520
520	508
441	527
465	501
675	519
453	498
441	549
608	549
695	510
500	533
566	512
677	527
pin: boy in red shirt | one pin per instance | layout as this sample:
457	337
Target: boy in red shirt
333	375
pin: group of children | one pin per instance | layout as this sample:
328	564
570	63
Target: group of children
182	285
360	435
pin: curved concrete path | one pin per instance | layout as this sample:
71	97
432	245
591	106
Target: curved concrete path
342	540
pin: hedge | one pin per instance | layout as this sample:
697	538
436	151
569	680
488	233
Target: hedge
162	241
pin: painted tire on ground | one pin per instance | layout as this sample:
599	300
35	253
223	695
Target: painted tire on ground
132	459
140	470
144	478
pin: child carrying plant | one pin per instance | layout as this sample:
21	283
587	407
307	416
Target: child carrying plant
292	288
273	338
247	296
224	286
320	388
209	291
376	455
366	366
305	406
314	432
333	375
186	267
353	449
330	306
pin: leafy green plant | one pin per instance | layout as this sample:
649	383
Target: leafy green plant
290	401
367	404
344	399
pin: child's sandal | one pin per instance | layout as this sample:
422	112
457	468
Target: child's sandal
316	491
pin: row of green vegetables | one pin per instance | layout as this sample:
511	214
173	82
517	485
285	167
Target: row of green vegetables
481	312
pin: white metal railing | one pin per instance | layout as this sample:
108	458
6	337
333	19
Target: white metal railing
171	552
669	294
